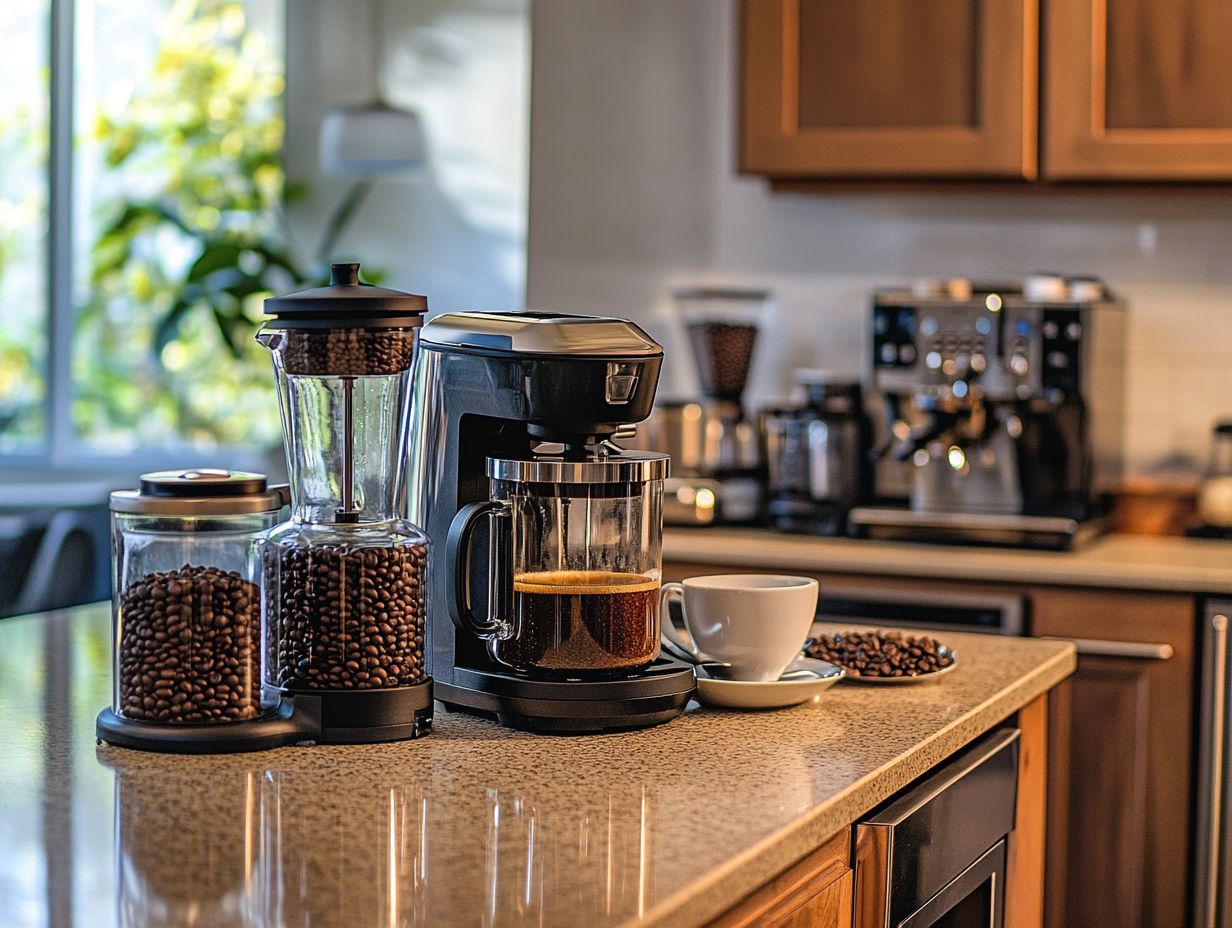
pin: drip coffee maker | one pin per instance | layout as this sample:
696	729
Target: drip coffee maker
346	578
544	600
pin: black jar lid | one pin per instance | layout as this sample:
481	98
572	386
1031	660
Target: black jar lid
200	491
346	304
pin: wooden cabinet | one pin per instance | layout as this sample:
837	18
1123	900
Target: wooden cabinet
1137	90
889	88
814	893
1121	824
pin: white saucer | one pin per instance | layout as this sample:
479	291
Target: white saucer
804	679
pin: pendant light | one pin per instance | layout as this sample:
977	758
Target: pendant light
374	138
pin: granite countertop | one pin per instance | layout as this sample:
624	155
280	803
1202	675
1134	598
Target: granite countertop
1126	562
473	826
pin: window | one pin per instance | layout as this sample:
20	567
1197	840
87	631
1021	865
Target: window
23	226
173	233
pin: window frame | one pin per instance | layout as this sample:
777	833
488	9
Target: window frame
60	450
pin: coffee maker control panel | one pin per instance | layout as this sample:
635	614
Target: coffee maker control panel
1005	349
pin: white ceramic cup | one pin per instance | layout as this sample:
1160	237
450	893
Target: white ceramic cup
756	623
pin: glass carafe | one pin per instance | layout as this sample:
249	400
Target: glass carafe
574	564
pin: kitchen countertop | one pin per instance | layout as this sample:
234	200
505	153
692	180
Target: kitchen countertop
473	826
1126	562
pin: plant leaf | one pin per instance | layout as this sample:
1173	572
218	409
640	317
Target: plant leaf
215	257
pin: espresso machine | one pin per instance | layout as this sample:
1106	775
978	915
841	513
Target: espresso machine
998	415
543	585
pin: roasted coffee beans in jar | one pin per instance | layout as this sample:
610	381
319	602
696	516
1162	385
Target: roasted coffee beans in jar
344	614
187	605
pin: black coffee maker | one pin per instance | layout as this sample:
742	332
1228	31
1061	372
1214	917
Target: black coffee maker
543	587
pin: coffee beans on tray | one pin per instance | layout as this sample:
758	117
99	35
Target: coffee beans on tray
345	352
189	648
882	654
349	617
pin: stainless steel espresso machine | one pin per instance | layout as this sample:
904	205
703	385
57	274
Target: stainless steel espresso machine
998	417
544	583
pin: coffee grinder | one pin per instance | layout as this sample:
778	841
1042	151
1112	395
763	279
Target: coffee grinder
543	600
344	592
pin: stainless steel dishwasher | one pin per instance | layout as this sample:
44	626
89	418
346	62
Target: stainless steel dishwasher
935	855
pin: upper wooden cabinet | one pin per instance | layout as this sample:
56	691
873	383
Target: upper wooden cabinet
1138	90
902	89
889	88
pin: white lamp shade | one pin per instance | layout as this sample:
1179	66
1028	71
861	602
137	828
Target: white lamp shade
371	139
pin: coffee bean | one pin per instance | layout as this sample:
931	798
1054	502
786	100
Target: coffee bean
175	628
882	654
332	606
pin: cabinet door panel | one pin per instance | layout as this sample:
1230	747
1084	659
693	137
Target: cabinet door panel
889	88
1120	761
1138	90
856	58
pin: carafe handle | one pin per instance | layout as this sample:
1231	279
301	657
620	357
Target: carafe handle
496	624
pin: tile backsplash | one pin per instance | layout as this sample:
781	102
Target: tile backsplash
634	189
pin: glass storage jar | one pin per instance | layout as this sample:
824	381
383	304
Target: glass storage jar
187	607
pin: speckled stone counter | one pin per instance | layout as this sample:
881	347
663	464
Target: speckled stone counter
1123	562
473	826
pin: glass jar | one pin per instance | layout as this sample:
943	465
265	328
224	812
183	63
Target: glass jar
186	610
577	593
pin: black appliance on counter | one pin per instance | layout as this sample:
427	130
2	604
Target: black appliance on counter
511	437
998	418
817	466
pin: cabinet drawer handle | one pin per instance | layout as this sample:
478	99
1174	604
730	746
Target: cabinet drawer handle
1136	650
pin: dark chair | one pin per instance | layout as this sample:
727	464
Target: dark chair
62	571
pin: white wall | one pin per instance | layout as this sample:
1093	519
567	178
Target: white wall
458	233
633	188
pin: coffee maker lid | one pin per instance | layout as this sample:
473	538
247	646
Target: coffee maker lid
347	303
534	333
625	467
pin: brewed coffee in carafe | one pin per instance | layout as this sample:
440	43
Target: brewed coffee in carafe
576	594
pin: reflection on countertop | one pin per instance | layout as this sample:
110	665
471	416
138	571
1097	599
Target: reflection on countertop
475	825
1130	562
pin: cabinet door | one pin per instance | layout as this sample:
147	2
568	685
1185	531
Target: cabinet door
889	88
1138	90
1120	825
814	893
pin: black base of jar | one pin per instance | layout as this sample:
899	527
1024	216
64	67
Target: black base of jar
304	716
365	716
573	707
283	727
